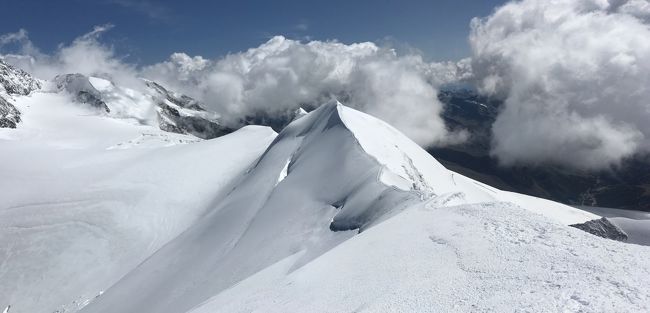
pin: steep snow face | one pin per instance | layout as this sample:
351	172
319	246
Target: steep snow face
405	161
87	197
409	167
16	81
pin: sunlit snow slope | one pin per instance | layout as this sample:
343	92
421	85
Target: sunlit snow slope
337	213
84	198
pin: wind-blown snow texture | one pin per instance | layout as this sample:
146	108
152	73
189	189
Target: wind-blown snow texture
339	212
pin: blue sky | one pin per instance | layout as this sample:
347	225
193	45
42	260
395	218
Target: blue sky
149	31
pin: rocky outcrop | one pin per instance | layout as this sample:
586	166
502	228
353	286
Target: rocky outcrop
182	114
80	88
9	115
16	81
173	119
602	228
13	81
180	100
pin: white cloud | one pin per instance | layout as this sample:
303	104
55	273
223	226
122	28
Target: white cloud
85	55
21	38
275	78
575	76
282	75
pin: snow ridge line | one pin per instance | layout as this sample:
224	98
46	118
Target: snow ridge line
420	194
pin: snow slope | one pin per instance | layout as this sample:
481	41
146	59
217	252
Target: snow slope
85	197
490	257
337	213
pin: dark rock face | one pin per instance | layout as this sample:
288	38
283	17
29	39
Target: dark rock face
602	228
9	115
16	81
81	89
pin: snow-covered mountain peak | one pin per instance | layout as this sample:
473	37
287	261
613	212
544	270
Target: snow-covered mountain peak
314	181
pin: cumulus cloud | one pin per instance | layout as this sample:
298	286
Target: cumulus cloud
271	80
575	76
282	74
85	55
